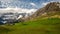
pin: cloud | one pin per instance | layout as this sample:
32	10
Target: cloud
26	3
18	10
33	4
57	0
45	3
6	0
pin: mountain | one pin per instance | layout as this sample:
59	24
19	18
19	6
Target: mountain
51	9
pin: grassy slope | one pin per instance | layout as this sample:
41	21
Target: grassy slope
37	26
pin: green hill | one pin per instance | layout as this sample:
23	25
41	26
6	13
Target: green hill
37	26
39	23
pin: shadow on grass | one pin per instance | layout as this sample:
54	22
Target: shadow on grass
5	30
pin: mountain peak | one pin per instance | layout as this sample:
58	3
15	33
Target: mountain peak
52	8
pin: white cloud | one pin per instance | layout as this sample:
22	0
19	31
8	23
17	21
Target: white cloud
33	4
49	2
45	3
7	0
18	10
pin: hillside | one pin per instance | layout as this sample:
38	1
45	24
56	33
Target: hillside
50	9
40	24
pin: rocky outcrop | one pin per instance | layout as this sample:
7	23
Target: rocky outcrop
52	8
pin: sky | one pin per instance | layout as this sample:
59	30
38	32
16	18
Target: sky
26	4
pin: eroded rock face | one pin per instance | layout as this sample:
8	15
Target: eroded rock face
53	7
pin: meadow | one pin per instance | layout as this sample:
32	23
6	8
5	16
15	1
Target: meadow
36	26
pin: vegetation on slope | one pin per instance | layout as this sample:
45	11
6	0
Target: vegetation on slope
37	26
52	8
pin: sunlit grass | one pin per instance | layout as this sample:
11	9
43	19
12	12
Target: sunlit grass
38	26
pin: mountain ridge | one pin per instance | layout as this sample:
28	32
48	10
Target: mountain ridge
51	9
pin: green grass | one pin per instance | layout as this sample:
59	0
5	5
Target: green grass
38	26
